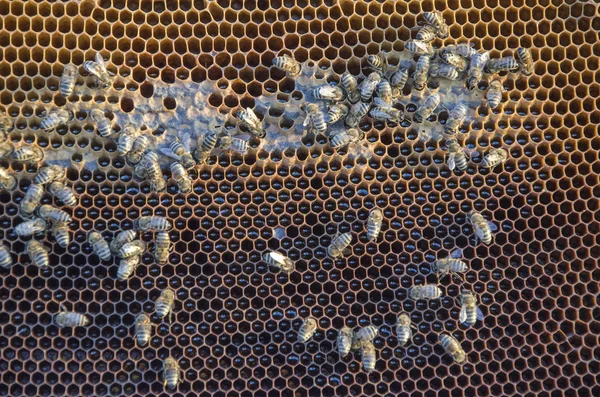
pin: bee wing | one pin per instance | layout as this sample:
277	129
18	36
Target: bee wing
328	91
100	61
479	232
463	315
377	101
492	226
451	162
252	116
307	120
169	153
422	46
457	253
186	140
479	314
277	257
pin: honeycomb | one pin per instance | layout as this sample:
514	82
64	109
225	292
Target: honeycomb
186	65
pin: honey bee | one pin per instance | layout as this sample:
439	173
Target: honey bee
153	223
445	71
344	341
384	91
399	78
181	177
385	112
369	357
329	93
494	158
99	246
494	94
31	200
350	85
60	231
336	112
162	247
55	118
70	319
525	60
164	303
140	145
374	223
38	253
126	139
280	261
143	329
49	213
427	108
98	69
127	266
63	193
314	117
154	174
172	374
378	63
436	19
307	330
419	47
450	265
67	80
255	126
356	113
451	57
427	34
185	157
478	62
339	245
7	124
427	292
235	143
49	174
367	87
363	336
421	72
483	228
130	249
465	50
404	329
343	138
7	148
6	260
455	118
288	64
457	156
206	143
469	311
498	65
452	347
7	179
31	227
124	237
28	154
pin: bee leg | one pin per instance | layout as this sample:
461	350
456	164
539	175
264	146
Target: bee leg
63	308
459	277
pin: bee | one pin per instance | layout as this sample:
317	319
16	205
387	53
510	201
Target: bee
162	247
130	249
67	80
49	213
356	113
427	291
378	63
126	139
494	94
7	179
234	143
427	34
506	64
363	336
7	148
172	374
525	60
63	193
181	177
436	19
419	47
124	237
478	62
374	223
143	329
164	303
443	70
70	319
314	117
307	330
28	154
455	118
31	227
350	85
7	124
483	228
38	253
49	174
98	69
384	91
427	108
465	50
369	357
399	78
127	266
344	341
469	312
153	223
55	118
208	141
336	112
288	64
450	265
494	158
385	112
99	246
457	156
404	329
248	118
451	57
339	245
185	157
367	87
6	260
343	138
421	72
452	347
60	231
140	145
280	261
154	173
329	93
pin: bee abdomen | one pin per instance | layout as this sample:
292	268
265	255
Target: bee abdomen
171	377
403	334
126	267
428	291
71	319
373	230
369	357
6	260
163	308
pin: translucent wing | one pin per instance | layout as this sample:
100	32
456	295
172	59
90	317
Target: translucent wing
236	146
377	101
479	314
252	116
457	253
169	153
422	46
479	232
277	257
186	140
328	91
100	62
451	162
410	333
307	121
463	315
493	226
